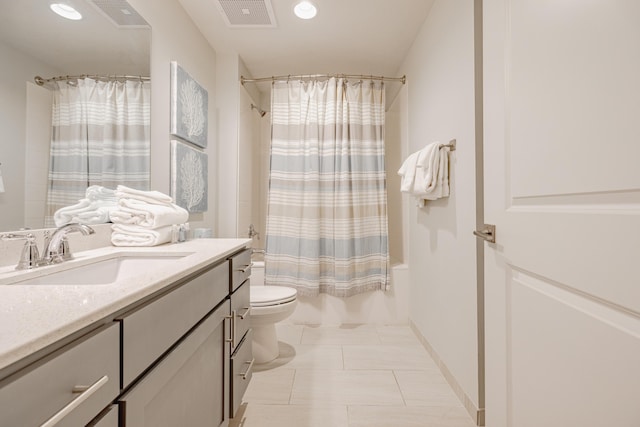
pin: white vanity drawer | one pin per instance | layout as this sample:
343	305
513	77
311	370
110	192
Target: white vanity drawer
240	269
241	371
151	330
45	391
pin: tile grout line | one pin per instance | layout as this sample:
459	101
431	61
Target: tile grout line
293	380
393	371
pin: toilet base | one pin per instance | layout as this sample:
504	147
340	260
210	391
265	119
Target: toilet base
265	343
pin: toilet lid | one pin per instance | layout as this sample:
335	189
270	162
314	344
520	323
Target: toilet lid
271	295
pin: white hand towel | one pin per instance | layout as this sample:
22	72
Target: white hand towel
154	197
135	212
441	182
427	169
131	235
408	171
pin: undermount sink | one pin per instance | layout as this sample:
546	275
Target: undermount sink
105	271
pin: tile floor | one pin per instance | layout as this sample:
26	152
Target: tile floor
350	376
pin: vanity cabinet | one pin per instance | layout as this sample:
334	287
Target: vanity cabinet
189	386
108	418
241	342
148	332
67	388
180	356
187	332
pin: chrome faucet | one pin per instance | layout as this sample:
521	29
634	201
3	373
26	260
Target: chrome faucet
253	233
56	246
29	257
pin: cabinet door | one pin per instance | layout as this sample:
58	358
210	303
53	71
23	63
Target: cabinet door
188	387
241	372
149	331
108	418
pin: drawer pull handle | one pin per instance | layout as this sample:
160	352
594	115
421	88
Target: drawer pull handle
85	393
245	268
247	310
232	340
246	373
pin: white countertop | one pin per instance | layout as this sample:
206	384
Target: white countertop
33	317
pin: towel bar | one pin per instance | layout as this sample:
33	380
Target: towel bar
451	145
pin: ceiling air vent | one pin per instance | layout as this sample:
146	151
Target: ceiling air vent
247	13
120	13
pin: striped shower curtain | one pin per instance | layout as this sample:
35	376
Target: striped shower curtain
100	136
327	204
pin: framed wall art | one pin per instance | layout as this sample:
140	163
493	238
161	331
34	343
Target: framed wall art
189	107
189	177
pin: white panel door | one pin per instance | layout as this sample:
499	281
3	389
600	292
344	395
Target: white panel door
562	186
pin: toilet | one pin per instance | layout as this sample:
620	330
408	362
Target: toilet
269	305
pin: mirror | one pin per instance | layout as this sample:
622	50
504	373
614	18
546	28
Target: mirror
34	41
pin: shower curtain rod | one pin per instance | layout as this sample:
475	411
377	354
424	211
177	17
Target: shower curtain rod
244	80
41	81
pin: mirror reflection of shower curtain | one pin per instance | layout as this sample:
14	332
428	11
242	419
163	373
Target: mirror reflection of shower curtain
100	136
327	226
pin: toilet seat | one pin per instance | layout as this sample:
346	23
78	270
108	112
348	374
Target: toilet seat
265	296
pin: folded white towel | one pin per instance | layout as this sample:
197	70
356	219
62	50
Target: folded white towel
132	235
154	197
135	212
95	215
98	192
85	212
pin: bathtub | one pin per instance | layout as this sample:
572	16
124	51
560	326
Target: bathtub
378	307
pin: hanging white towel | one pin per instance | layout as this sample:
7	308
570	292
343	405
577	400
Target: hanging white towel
154	197
408	172
135	212
425	173
132	235
440	186
426	170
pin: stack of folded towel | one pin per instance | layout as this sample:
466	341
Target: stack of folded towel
425	173
93	209
144	218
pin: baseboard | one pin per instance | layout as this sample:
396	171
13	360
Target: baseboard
476	414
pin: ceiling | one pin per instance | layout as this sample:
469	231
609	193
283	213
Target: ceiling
92	45
369	37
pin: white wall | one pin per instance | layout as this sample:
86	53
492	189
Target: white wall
438	106
248	166
174	37
14	81
37	153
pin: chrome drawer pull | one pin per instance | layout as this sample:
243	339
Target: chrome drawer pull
85	393
247	310
232	340
244	375
245	268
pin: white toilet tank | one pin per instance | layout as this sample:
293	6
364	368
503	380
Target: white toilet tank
257	273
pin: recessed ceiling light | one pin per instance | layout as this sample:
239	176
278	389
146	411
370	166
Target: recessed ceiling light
305	10
65	11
